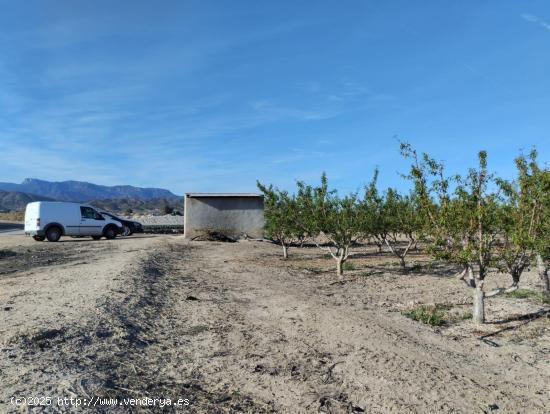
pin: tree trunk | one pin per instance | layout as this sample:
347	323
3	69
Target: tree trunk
516	274
543	275
285	251
479	306
402	260
340	267
471	279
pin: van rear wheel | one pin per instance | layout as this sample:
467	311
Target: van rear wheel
53	234
110	232
39	238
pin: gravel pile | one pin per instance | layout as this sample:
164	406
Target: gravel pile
167	220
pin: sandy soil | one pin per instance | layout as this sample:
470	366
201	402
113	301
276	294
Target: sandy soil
234	328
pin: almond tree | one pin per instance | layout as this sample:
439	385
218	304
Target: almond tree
373	214
389	218
543	265
542	180
522	218
400	220
543	240
335	224
461	227
281	217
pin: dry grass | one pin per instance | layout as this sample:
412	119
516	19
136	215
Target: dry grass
13	216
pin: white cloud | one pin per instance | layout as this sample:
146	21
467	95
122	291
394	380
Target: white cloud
531	18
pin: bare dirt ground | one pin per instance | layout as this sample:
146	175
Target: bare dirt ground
234	328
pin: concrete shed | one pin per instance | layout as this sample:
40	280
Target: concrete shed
232	214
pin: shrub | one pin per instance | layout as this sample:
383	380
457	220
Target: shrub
430	315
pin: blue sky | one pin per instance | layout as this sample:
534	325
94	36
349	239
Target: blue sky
212	95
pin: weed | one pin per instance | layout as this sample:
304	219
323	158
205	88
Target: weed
456	317
465	316
521	294
348	266
430	315
530	294
416	268
544	298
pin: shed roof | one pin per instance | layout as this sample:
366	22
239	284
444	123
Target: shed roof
200	195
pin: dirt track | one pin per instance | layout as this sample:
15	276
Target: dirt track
233	328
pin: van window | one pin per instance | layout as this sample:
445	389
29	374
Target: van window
90	213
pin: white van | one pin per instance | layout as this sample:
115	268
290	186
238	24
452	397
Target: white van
51	220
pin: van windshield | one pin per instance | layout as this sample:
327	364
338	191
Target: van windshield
110	215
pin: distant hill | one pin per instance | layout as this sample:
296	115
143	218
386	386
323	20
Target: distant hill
80	191
14	200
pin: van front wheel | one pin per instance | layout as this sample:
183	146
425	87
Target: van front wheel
53	234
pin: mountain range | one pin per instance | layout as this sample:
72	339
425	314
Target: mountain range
16	196
15	200
80	191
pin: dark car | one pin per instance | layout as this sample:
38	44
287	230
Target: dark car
129	227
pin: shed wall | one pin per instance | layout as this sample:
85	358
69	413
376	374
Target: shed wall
232	216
